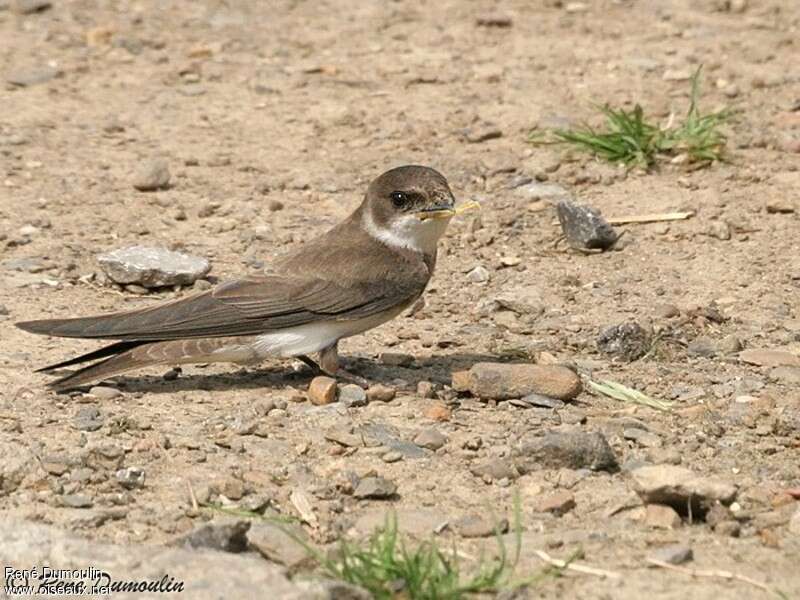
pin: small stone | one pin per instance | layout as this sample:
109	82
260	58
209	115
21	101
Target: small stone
627	341
558	503
677	75
495	470
642	437
730	344
478	275
275	205
494	20
482	133
152	175
702	346
675	554
478	526
381	393
27	7
376	488
343	438
678	487
729	529
76	501
720	230
769	358
284	544
425	389
431	439
541	401
104	392
351	395
660	516
666	311
571	450
576	7
584	227
396	359
501	381
223	537
322	390
460	381
391	457
780	206
88	419
437	411
131	478
152	266
786	375
510	261
28	76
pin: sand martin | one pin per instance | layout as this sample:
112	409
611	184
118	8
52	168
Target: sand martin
360	274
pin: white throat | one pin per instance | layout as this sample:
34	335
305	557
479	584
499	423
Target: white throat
407	232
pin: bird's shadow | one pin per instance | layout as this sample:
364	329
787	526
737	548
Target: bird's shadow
433	368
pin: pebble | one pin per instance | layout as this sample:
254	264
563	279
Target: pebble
432	439
377	488
675	554
425	389
661	516
571	450
666	311
494	20
642	437
28	76
502	381
27	7
720	230
104	392
396	359
584	227
459	381
702	346
88	418
391	457
482	133
540	401
223	537
786	375
152	266
322	390
559	503
730	344
131	478
729	529
677	75
769	358
76	501
284	544
780	206
495	470
352	395
626	341
478	526
478	275
678	486
152	175
437	411
380	393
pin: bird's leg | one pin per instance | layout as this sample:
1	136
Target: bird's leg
312	364
329	363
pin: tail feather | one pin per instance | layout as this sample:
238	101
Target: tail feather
114	365
103	352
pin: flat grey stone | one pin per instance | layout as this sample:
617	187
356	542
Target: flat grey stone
152	175
571	450
34	75
674	554
152	267
584	227
376	488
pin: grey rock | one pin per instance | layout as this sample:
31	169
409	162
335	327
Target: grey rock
205	575
104	392
225	536
27	7
482	133
571	450
680	488
16	463
642	437
131	477
674	554
786	375
27	264
34	75
396	359
627	341
88	418
478	526
279	543
105	456
496	469
152	175
152	267
76	501
584	227
701	346
377	488
352	395
389	437
478	275
431	439
540	401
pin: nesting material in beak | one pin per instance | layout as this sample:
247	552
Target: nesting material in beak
445	213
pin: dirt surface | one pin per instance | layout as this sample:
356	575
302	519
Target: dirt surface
273	120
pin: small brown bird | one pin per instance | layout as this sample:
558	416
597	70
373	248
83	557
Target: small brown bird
360	274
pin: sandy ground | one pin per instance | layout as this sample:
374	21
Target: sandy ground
273	118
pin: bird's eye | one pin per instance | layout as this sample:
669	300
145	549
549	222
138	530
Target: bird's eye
399	199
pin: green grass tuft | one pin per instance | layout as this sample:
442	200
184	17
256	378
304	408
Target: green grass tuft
615	390
633	139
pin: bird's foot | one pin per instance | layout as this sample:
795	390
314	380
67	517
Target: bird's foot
334	370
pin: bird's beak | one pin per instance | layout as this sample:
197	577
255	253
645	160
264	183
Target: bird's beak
439	211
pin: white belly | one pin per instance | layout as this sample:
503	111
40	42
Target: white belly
313	337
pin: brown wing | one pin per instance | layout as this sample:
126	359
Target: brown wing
243	307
